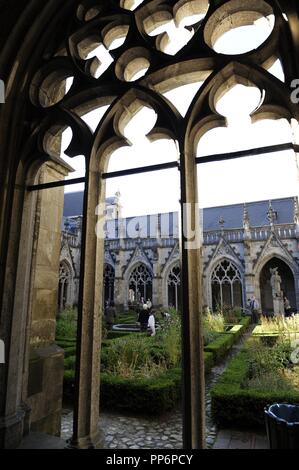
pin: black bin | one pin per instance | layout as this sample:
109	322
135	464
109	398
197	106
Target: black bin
282	424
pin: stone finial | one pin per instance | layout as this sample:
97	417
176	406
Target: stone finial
138	229
246	221
271	214
221	223
296	211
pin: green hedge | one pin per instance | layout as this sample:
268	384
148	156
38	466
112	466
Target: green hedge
70	351
221	345
149	396
153	396
119	334
209	361
233	405
226	340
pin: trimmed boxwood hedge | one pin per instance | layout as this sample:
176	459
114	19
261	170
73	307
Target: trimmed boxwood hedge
209	361
149	396
221	345
226	340
233	405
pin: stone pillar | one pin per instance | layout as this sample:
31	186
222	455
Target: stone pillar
86	432
120	289
193	356
249	278
46	359
157	299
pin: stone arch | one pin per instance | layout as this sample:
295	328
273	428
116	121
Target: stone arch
173	285
65	288
44	28
109	282
293	268
225	283
139	279
203	116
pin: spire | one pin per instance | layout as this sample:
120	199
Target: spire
271	214
138	229
221	222
246	221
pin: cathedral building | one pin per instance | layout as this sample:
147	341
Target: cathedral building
241	243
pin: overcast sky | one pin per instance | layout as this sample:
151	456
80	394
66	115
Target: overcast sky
248	179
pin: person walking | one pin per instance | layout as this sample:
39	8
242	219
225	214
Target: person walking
110	315
254	308
287	307
143	318
152	323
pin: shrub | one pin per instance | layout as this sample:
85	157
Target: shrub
66	325
263	359
239	401
169	338
134	356
274	381
280	324
221	345
214	322
145	395
230	314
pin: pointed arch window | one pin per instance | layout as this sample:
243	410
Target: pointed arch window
141	283
64	286
227	285
109	279
173	286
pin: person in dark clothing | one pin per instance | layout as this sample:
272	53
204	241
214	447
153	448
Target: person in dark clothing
143	318
110	315
287	307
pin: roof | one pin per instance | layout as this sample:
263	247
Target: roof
73	203
257	211
231	214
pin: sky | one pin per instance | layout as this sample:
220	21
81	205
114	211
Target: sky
243	180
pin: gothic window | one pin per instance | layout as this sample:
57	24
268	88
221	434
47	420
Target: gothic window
109	278
173	285
64	286
141	283
226	283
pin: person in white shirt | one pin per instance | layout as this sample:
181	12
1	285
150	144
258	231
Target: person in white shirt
152	323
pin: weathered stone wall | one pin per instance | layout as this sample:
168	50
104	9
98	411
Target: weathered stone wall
45	376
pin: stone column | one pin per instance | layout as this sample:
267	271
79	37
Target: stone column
44	396
120	290
157	299
86	432
193	356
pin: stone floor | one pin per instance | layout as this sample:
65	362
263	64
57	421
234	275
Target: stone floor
232	439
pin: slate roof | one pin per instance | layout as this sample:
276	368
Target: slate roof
73	203
232	215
